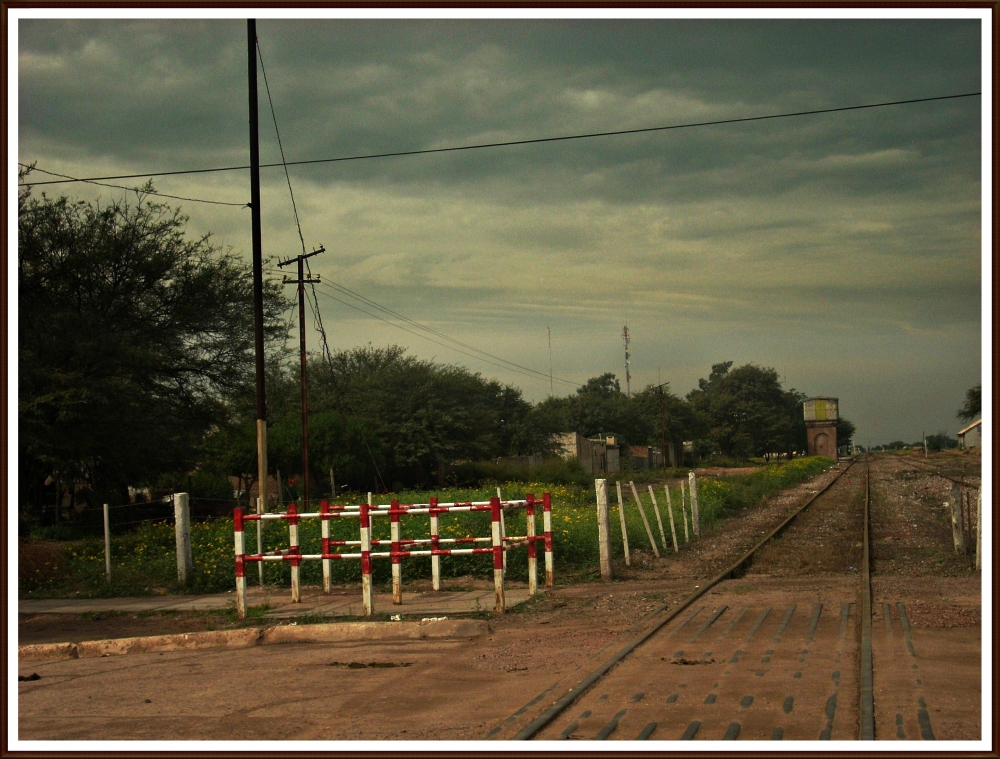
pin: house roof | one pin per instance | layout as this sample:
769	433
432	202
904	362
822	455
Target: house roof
974	424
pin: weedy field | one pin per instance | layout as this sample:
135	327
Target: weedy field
144	561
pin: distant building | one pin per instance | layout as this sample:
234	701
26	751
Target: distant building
592	453
971	436
821	415
645	457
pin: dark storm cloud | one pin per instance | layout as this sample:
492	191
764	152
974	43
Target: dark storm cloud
801	227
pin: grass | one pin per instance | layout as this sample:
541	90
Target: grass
144	561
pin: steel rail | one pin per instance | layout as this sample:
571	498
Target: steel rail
537	724
867	701
931	470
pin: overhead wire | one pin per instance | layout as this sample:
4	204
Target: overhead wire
317	318
532	141
143	190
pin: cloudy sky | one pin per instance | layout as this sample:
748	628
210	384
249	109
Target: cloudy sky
845	250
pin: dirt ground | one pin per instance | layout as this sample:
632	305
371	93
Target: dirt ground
461	690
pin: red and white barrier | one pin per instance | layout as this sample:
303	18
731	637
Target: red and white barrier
399	548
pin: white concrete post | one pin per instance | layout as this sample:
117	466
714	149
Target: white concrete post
107	544
603	529
642	513
182	534
436	546
957	533
498	552
695	518
621	517
529	519
684	516
670	514
659	519
293	550
547	527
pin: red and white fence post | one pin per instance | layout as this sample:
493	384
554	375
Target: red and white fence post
241	579
532	551
397	567
293	550
547	526
366	560
324	515
435	546
497	556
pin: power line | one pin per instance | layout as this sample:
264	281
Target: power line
535	141
121	187
506	365
509	365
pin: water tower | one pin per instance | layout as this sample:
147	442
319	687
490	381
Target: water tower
821	426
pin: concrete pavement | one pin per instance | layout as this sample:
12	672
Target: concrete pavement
314	603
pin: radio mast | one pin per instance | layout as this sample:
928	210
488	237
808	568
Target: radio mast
628	376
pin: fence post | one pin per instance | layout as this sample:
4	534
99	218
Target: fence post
366	559
529	518
684	516
324	516
695	518
497	556
642	513
659	519
621	517
979	530
397	568
603	529
435	546
107	544
957	533
182	534
241	580
670	515
293	549
547	527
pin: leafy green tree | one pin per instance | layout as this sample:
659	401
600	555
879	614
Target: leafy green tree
941	442
745	412
130	338
845	431
598	407
973	403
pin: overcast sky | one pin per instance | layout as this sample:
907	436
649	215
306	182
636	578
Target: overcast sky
844	249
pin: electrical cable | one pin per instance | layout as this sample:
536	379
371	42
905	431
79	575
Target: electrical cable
122	187
528	373
535	141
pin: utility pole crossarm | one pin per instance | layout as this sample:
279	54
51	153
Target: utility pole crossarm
303	257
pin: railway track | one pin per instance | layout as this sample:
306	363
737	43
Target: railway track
688	665
779	646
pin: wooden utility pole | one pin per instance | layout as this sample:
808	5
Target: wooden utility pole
301	282
258	264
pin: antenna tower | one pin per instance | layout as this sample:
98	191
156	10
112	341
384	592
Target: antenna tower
628	375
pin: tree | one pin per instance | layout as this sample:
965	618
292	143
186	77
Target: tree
598	407
131	338
973	403
845	431
941	442
745	412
